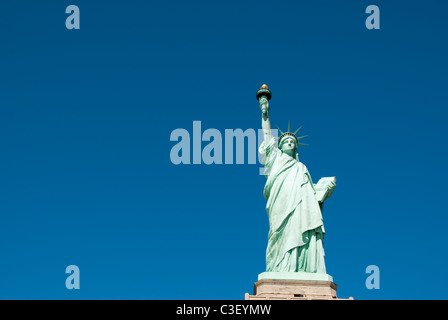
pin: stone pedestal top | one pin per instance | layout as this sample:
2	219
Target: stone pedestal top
304	276
294	286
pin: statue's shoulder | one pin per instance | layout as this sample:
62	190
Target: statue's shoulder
302	165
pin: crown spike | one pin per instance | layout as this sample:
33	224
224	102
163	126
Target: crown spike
289	126
281	132
297	130
298	138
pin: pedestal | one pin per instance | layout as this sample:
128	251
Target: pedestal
294	286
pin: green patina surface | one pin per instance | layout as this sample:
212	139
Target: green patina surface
294	207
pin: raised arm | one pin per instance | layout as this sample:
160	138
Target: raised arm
265	122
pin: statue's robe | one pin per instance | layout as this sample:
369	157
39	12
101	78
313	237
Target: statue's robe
295	219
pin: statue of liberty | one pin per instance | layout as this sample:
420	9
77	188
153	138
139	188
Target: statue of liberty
294	203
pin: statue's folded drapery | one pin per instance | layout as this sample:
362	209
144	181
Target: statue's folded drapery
295	220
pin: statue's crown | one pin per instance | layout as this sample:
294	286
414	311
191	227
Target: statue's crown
291	134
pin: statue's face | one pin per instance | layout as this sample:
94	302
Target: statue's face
289	143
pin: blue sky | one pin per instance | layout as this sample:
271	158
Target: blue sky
86	118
